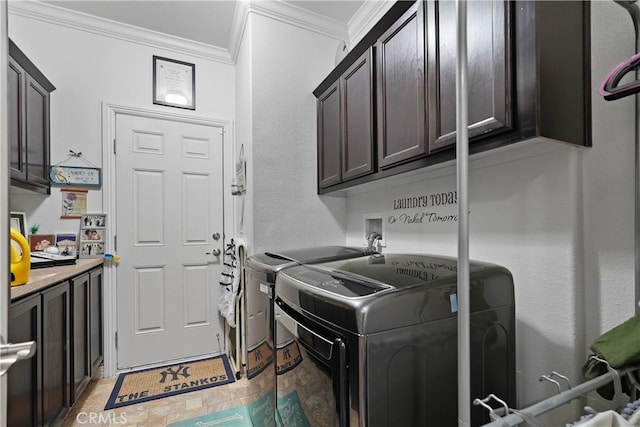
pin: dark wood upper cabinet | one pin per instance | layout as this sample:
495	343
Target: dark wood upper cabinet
37	122
400	89
489	69
356	87
17	142
345	125
29	111
528	75
329	166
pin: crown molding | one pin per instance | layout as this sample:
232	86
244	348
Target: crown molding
238	26
91	24
366	17
303	18
286	13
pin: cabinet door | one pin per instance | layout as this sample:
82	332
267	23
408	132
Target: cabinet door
95	320
37	128
17	150
55	353
24	397
401	89
489	71
329	165
357	118
80	367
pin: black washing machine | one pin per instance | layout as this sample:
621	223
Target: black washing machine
260	273
372	341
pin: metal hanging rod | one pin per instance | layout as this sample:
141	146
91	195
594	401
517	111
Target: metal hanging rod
546	405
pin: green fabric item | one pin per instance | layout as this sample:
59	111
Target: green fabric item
620	347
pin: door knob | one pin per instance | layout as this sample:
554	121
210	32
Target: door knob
216	236
215	252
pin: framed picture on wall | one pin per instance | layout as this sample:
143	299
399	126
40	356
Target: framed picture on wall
174	83
19	222
92	235
74	202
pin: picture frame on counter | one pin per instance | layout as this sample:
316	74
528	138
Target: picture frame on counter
67	244
77	176
174	83
74	202
92	235
19	222
40	242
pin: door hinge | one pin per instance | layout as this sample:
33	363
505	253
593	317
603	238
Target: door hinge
115	243
114	146
116	340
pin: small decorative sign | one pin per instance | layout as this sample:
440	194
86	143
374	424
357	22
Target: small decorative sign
78	176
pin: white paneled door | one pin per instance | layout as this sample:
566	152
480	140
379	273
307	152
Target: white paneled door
169	221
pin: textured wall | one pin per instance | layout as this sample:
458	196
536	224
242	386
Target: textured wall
288	63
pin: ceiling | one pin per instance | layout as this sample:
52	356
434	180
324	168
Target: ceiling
204	21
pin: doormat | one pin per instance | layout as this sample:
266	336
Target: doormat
258	359
156	383
258	413
288	357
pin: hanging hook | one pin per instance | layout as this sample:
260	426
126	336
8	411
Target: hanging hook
492	413
549	378
618	398
74	154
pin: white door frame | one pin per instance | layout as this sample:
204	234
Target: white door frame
4	201
109	113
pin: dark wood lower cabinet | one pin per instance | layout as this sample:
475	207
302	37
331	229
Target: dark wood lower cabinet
24	395
65	320
55	354
96	350
80	290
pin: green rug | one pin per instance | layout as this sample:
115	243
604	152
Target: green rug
254	414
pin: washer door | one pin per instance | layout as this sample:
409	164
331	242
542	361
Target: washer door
311	372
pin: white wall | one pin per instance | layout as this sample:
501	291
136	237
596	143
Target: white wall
287	64
87	69
561	222
243	221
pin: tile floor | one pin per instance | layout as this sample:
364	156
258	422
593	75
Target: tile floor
89	410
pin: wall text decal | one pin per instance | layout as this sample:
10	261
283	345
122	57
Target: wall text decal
423	201
437	199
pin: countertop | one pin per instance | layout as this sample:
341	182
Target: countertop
41	278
